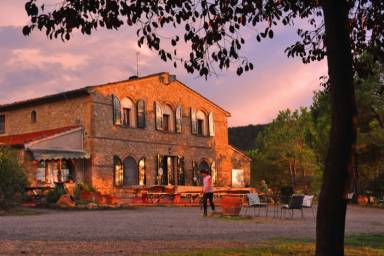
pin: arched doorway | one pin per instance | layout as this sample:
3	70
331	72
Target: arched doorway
204	166
130	171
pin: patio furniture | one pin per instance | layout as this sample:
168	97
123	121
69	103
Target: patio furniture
350	197
308	203
156	193
380	202
254	202
295	203
191	196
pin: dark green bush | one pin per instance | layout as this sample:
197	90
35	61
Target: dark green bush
82	187
13	180
54	195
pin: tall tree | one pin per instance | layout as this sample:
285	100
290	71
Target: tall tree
212	30
286	144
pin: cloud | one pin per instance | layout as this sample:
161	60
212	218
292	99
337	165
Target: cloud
34	66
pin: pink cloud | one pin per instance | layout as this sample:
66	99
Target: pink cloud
35	62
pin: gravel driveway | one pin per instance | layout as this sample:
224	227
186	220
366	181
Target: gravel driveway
155	229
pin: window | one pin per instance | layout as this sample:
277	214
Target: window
33	116
140	114
126	117
128	112
40	173
2	123
166	123
168	118
200	127
201	123
118	171
66	171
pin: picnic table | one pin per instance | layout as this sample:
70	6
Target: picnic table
192	196
155	197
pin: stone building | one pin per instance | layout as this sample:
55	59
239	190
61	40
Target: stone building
142	131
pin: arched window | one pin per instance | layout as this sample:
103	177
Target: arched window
142	178
118	171
179	119
33	116
128	112
140	114
116	110
131	172
168	118
202	123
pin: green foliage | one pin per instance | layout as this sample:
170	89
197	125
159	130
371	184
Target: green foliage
82	187
285	154
243	137
13	180
54	194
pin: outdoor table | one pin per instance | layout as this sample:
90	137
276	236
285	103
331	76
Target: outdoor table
192	196
155	197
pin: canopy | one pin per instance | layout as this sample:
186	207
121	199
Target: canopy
47	154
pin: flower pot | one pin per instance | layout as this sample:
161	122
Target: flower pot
362	200
231	206
90	196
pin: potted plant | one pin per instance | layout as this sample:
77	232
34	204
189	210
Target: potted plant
231	205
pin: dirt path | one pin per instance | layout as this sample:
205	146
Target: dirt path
154	230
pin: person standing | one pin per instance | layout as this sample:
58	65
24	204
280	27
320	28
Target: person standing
207	191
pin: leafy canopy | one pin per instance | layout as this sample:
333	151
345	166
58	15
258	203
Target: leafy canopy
212	29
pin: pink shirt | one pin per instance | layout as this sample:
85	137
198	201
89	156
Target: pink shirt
207	184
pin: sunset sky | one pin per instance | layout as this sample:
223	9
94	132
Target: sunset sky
35	66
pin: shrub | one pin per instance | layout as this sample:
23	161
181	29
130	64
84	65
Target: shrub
13	180
82	187
54	195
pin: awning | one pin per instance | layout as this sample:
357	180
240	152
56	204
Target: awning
41	154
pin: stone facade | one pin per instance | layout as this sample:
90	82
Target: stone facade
105	140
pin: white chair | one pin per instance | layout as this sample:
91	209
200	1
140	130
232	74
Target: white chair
254	202
308	203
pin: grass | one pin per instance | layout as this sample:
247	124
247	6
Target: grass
369	245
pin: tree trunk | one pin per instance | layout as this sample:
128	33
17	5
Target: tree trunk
330	226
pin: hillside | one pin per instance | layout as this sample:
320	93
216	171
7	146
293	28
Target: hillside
244	137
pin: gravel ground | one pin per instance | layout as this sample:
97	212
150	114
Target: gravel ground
155	229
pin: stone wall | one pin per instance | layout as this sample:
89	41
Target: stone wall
108	139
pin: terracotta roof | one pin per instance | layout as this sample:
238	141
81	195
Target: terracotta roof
20	139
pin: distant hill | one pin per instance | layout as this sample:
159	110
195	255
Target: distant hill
244	137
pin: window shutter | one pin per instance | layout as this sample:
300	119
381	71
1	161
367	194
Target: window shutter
159	116
213	173
141	114
193	121
116	108
211	123
179	119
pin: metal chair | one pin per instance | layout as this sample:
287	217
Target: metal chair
295	203
308	203
254	202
